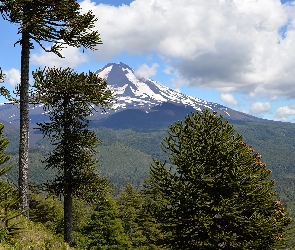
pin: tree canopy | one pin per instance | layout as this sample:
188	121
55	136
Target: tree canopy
8	199
218	194
55	22
68	99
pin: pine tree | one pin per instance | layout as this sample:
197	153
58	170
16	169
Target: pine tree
218	194
69	98
105	230
58	23
138	224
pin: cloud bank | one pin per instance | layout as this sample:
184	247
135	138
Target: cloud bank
230	45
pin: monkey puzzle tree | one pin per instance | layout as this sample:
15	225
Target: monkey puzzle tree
53	22
8	199
138	224
69	98
219	195
105	229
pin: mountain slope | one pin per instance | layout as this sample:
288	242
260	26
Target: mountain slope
140	102
133	92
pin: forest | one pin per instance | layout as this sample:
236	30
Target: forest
125	157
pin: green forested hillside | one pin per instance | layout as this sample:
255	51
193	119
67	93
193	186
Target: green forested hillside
127	154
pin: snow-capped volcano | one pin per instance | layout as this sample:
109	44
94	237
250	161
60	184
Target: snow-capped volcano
139	93
132	91
134	94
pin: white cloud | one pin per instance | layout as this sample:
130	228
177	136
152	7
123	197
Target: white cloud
221	44
260	107
228	99
12	76
72	58
145	71
283	113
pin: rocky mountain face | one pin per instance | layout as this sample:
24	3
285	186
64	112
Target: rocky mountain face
140	102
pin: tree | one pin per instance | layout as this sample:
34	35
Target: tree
8	199
218	194
68	99
138	224
105	230
58	23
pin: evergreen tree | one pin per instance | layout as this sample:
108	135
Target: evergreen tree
8	199
105	230
138	224
69	98
56	22
218	195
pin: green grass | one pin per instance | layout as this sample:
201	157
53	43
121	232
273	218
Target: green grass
34	236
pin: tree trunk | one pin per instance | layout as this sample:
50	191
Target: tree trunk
68	218
24	123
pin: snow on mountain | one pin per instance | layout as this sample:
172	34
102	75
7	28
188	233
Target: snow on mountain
133	91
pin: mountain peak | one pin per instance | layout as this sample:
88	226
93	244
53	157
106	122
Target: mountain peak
133	92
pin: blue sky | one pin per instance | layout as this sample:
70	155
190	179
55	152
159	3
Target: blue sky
239	53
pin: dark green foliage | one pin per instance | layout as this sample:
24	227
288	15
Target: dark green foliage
3	90
54	21
105	230
69	98
220	196
8	197
138	224
47	210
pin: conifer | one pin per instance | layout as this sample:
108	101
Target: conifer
8	198
68	99
218	194
43	22
105	230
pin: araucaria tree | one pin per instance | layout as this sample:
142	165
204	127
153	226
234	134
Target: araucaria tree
105	230
218	194
8	199
55	22
69	98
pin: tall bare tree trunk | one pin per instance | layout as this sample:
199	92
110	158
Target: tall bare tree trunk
24	123
68	217
68	201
